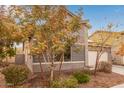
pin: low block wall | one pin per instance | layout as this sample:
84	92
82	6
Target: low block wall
65	66
20	59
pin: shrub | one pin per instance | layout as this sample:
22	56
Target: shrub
70	82
56	84
82	77
105	67
4	64
87	71
15	74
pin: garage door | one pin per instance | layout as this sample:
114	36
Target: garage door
92	57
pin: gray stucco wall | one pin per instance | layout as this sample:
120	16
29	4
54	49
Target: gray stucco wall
82	44
36	59
65	66
20	59
77	53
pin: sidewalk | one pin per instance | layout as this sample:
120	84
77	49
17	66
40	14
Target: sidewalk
118	86
119	70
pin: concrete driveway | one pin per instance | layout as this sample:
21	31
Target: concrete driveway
119	70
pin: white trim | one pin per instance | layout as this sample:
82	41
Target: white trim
79	43
67	62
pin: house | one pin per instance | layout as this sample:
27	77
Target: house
118	59
92	53
18	58
72	59
110	47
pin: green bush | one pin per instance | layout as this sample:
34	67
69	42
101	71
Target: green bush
82	77
105	67
70	82
87	71
56	84
15	74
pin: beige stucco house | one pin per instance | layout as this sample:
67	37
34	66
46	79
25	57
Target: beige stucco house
111	46
118	59
75	60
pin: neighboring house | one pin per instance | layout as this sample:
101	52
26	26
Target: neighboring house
110	47
118	59
92	53
74	60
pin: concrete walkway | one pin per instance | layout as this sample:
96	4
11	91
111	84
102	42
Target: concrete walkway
119	70
118	86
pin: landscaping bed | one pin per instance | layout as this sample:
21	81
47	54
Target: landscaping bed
104	80
101	80
2	81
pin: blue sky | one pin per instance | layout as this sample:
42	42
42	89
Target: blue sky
99	15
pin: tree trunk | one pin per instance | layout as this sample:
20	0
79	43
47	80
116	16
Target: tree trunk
96	65
7	59
41	69
52	73
44	57
61	61
52	70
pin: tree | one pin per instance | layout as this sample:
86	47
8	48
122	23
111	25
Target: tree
120	51
9	34
105	38
51	29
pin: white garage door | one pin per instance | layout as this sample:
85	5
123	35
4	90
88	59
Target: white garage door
92	57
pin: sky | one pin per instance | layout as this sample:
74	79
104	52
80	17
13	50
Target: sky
99	16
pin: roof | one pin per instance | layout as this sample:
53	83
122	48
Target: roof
100	36
86	22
